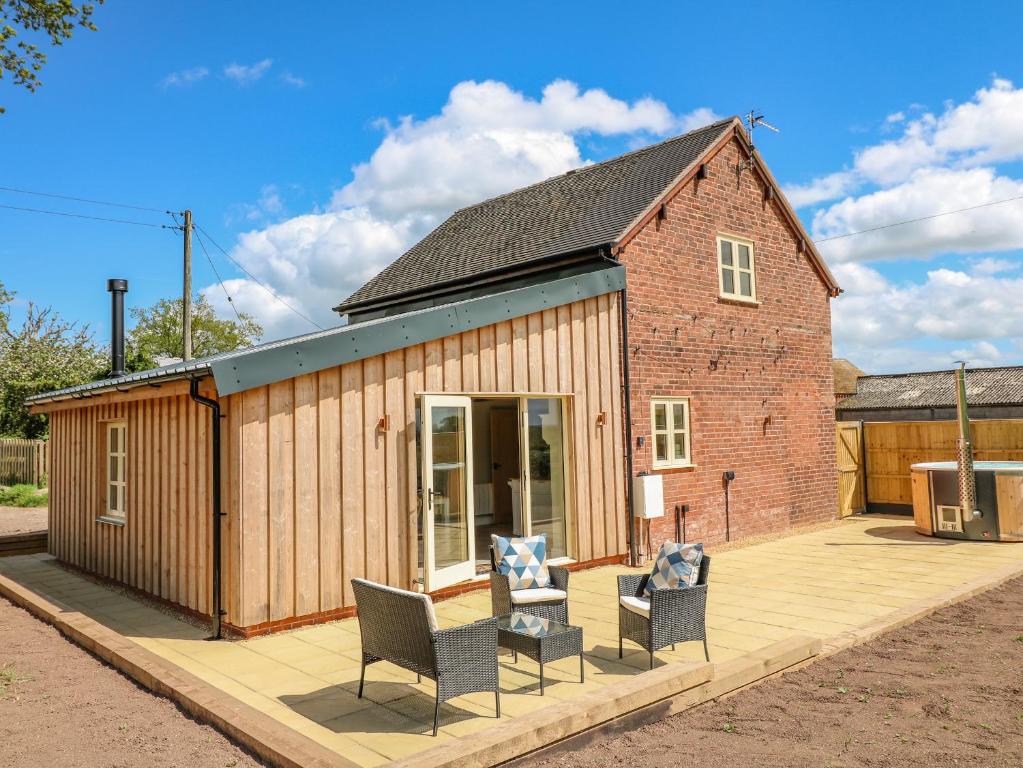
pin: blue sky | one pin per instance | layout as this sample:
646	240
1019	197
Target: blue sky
316	141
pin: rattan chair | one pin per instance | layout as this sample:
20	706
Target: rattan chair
672	615
400	627
504	600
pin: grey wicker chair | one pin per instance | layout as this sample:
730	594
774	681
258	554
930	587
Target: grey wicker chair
399	627
675	615
501	595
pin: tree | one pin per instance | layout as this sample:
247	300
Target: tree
56	19
157	332
46	353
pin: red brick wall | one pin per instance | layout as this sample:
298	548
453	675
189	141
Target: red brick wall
759	378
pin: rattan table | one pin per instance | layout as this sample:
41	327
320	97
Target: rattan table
539	639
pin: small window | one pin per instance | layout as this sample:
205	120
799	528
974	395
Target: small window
115	470
735	269
670	429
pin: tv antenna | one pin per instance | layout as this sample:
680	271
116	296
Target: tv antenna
753	120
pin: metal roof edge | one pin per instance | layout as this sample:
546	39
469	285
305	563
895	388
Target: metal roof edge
247	370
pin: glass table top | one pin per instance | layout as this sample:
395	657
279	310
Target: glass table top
531	626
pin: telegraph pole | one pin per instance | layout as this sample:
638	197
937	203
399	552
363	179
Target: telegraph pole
186	295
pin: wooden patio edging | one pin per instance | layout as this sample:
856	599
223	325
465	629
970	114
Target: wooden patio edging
23	543
257	732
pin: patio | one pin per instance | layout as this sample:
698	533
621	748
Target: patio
859	574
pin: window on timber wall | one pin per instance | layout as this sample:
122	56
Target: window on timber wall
735	268
669	418
116	478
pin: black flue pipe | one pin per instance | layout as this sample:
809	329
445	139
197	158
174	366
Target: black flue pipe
117	288
214	407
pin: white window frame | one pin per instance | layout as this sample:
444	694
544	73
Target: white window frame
736	270
121	455
672	461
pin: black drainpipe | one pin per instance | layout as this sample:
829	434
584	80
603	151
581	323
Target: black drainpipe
214	407
627	396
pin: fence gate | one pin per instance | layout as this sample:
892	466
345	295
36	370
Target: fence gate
852	495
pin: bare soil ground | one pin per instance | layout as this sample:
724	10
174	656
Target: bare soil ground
944	692
22	520
59	706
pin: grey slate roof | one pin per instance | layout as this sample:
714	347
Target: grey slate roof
936	389
579	210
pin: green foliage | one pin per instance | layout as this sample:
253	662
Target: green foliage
55	19
23	496
45	353
158	332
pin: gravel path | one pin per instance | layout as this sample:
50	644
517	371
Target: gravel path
59	706
22	520
944	692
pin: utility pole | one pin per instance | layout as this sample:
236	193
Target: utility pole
186	295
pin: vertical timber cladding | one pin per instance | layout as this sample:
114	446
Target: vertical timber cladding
320	492
164	545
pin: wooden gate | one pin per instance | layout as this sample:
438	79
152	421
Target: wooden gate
852	495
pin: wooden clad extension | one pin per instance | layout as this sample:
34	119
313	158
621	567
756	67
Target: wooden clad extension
316	455
319	471
163	545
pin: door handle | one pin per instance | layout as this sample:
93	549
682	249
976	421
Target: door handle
429	499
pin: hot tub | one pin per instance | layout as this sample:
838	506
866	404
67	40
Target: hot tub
936	508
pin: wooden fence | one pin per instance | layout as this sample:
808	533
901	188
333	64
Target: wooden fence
891	447
22	461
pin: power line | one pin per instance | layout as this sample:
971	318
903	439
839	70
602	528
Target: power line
82	199
256	280
922	218
83	216
219	278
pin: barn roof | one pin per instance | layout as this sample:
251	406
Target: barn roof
278	360
845	375
936	389
577	211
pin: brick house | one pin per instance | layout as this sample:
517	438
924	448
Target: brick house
662	312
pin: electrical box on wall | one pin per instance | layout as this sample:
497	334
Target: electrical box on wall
648	496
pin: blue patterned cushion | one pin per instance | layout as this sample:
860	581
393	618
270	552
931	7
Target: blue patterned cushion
522	560
677	566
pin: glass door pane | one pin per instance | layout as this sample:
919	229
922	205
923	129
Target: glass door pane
448	535
545	441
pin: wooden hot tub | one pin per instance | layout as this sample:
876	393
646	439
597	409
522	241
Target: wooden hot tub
936	509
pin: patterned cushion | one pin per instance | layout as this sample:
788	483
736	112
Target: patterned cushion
677	566
522	560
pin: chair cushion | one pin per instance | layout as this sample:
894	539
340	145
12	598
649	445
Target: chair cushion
431	616
537	595
677	566
640	605
523	561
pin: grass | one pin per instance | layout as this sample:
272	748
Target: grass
23	496
8	677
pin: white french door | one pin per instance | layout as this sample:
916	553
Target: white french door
449	533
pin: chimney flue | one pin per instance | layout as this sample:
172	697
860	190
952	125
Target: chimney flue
118	288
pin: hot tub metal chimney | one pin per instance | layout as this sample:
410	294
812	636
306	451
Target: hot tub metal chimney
117	288
964	450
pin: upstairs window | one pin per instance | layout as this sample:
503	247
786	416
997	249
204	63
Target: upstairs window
670	428
116	478
735	269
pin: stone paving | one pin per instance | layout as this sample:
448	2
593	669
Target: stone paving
821	583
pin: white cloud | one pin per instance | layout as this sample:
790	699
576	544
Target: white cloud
185	77
293	80
246	74
821	189
268	207
961	314
486	140
927	192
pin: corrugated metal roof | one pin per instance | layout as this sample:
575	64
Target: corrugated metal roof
582	209
283	359
936	389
